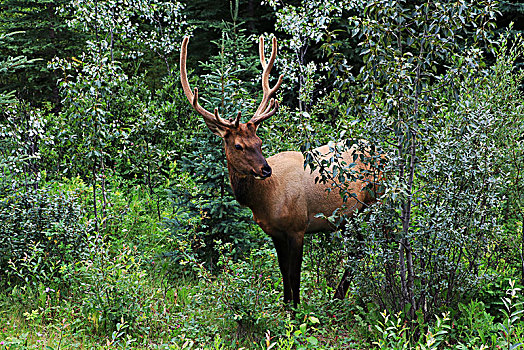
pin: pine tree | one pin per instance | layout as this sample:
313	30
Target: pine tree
43	34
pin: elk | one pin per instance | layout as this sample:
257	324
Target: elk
281	192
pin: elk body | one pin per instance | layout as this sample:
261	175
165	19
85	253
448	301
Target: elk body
283	195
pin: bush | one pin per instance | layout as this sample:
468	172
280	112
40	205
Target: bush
42	231
109	284
446	132
249	289
114	290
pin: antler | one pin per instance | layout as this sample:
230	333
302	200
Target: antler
267	107
213	120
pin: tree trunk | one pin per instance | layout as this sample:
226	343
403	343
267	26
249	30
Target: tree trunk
93	182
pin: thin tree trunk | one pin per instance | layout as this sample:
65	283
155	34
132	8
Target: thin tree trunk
95	210
251	15
402	267
112	39
104	193
150	183
406	216
52	35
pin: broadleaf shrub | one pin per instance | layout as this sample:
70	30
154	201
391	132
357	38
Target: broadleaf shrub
114	287
42	231
447	126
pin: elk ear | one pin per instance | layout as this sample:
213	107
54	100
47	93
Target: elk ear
219	126
216	129
253	126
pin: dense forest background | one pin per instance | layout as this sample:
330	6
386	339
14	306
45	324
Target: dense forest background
118	227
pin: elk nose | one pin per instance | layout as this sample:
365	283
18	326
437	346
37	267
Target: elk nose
266	170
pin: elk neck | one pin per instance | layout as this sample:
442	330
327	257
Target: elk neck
248	191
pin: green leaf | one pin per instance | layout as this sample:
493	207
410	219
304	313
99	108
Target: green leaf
312	340
314	320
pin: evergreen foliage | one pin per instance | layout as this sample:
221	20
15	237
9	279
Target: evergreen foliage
222	220
42	35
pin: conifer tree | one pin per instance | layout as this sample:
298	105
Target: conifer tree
43	35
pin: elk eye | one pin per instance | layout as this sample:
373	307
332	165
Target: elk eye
238	147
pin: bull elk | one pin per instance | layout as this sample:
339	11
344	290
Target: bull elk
283	195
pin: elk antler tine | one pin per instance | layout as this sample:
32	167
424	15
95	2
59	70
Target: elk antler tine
277	85
273	104
273	54
195	98
183	71
267	108
269	105
261	52
267	113
237	120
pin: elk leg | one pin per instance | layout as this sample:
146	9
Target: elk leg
281	247
344	284
296	245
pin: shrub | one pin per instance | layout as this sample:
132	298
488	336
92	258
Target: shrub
113	289
42	231
439	127
249	289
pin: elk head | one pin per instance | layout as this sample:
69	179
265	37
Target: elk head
242	145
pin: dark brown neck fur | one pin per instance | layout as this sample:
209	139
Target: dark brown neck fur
242	187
